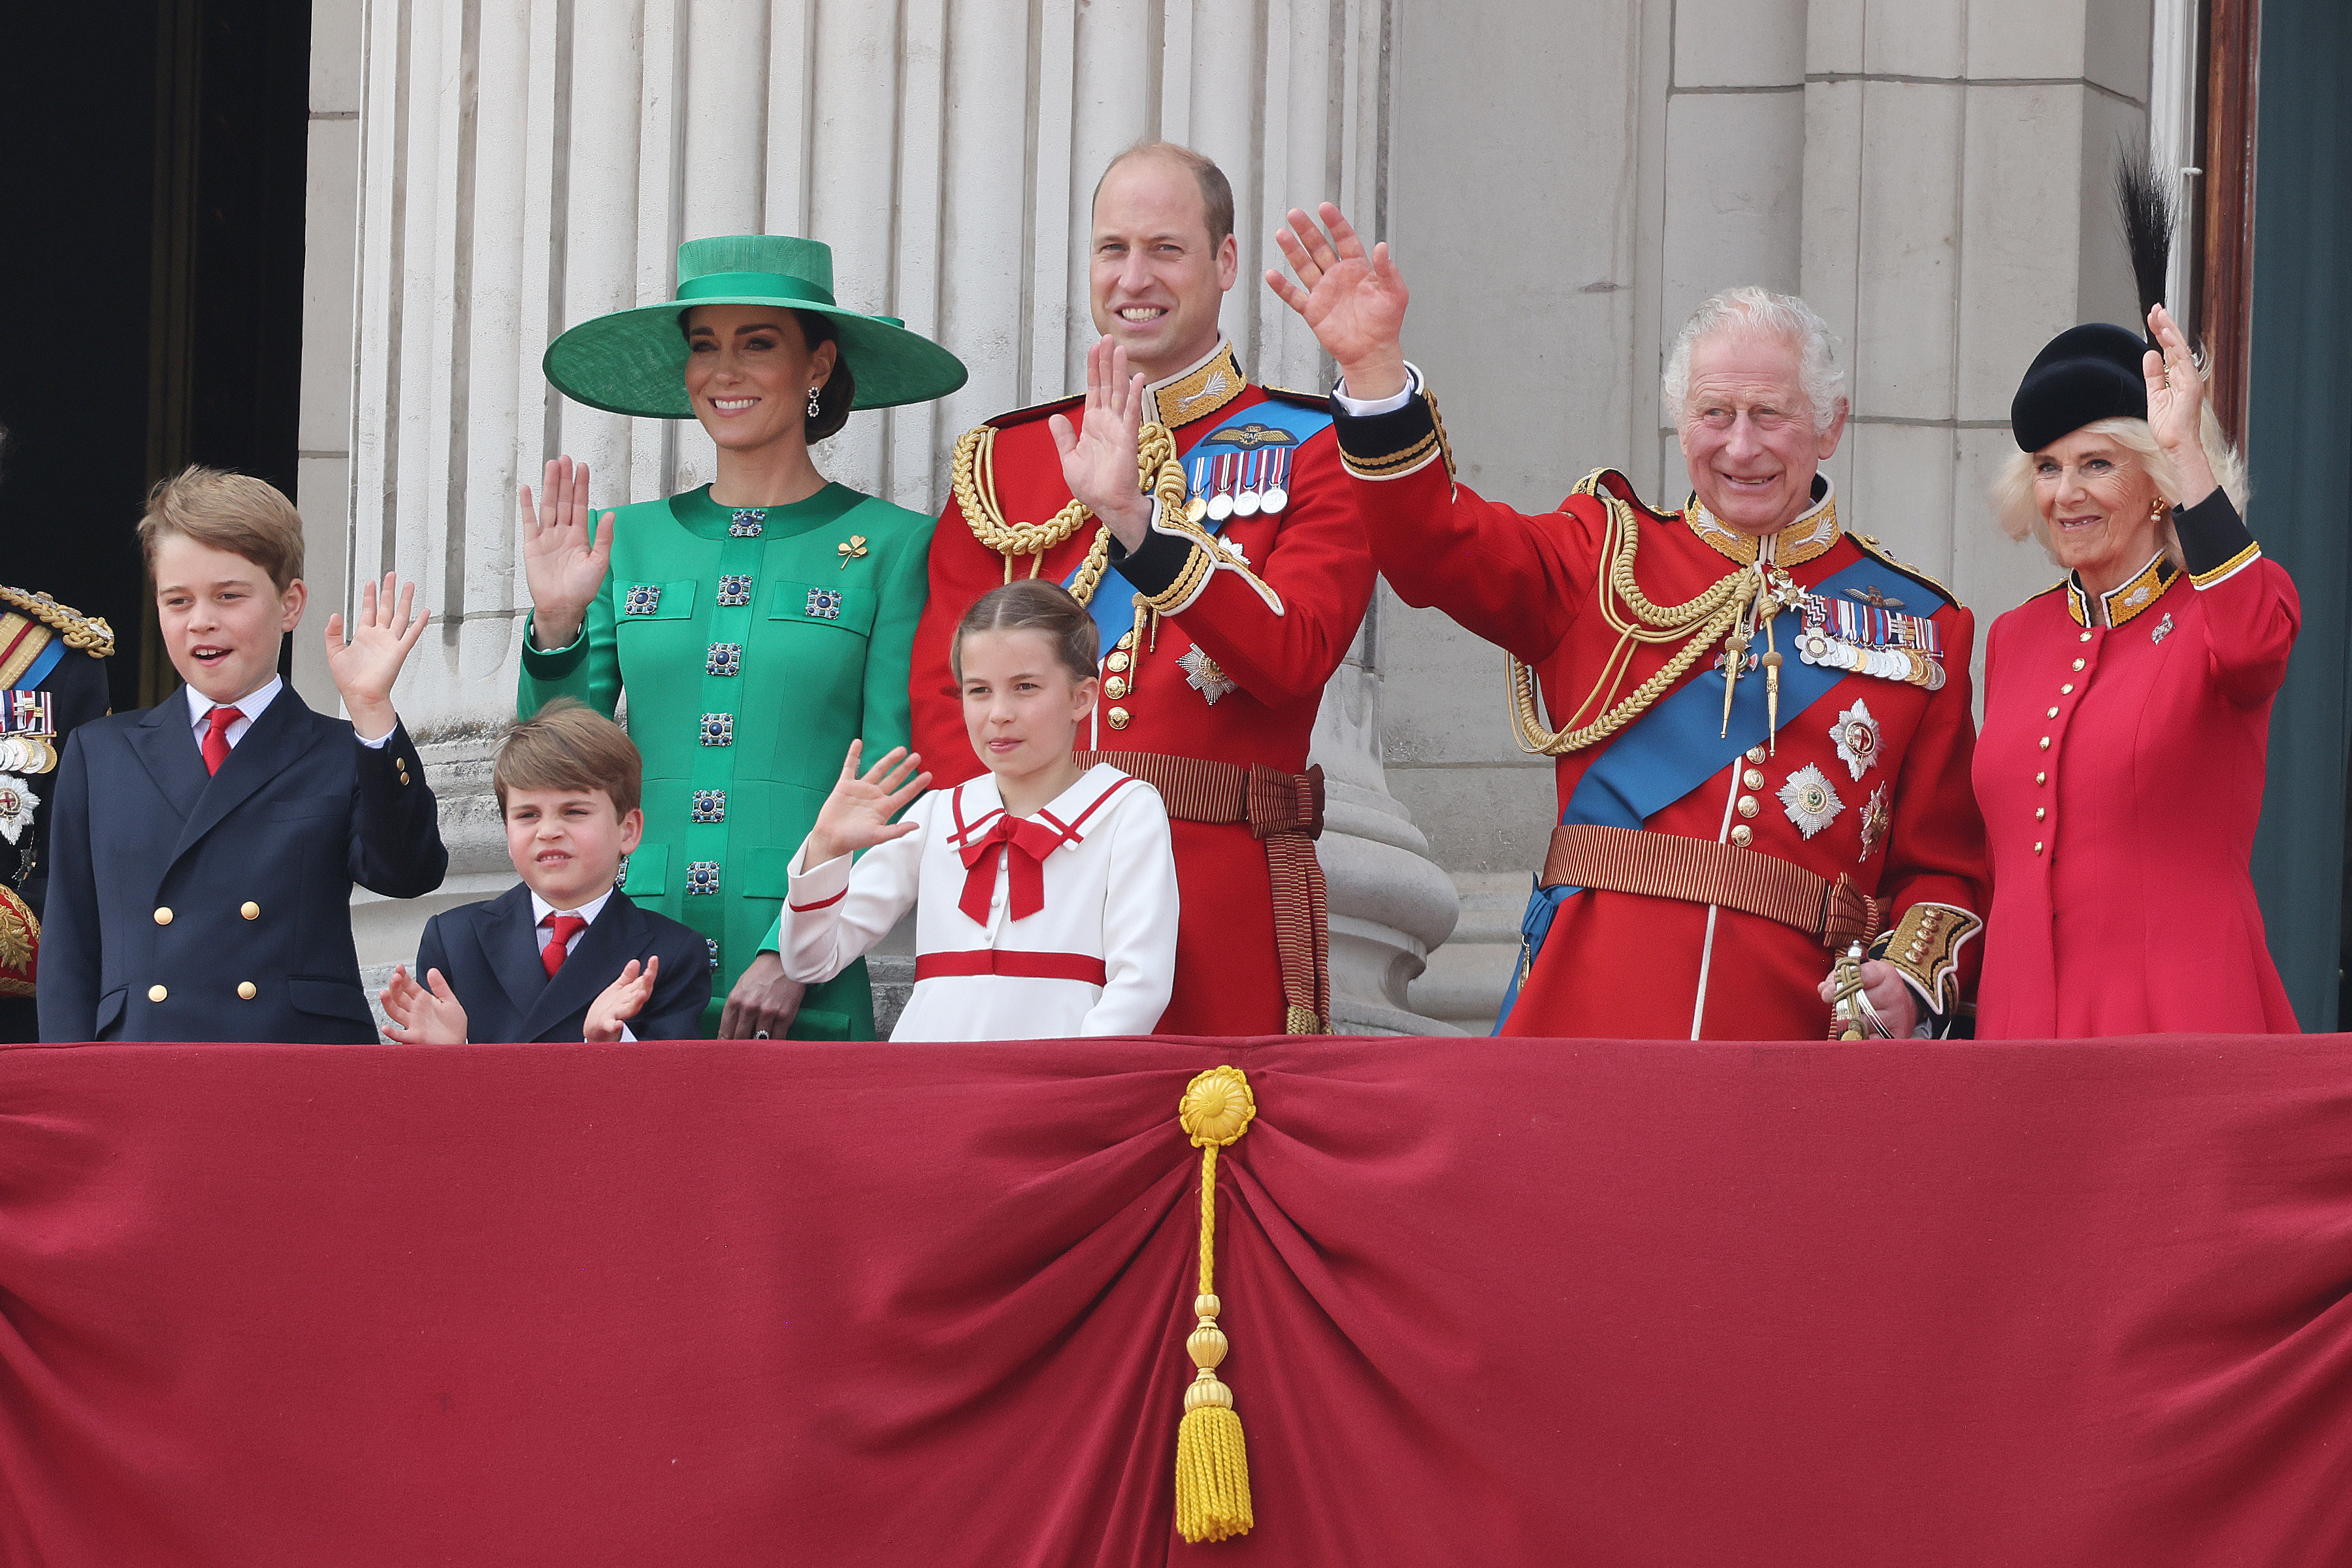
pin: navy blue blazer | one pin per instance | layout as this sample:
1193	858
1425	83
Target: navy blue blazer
191	906
489	954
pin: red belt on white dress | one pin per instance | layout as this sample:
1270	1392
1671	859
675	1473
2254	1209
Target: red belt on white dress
1012	961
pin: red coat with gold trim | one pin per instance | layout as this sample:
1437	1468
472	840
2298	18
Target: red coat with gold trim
1904	825
2121	775
1254	702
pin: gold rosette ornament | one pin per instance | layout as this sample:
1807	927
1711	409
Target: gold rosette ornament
1213	1495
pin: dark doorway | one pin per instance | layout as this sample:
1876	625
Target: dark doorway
155	172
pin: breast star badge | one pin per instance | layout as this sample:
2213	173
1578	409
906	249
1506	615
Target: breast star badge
1877	816
1203	674
1857	734
1809	801
17	804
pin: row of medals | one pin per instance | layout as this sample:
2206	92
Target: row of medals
1255	486
1816	647
27	754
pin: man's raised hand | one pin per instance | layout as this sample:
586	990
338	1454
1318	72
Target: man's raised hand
856	814
1353	302
1098	457
564	560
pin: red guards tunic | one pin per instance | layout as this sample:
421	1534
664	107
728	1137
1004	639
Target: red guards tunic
1231	678
1904	827
2121	776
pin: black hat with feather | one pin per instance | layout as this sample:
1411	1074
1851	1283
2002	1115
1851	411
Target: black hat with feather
2093	371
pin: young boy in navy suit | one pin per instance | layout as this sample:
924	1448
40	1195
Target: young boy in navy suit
201	851
566	955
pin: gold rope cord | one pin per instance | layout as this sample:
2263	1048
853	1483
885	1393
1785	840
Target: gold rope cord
1714	615
974	476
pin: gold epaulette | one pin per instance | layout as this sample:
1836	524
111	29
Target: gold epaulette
91	633
1869	546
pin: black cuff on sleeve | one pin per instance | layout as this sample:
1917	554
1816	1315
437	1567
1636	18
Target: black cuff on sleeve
1153	568
1371	437
2211	533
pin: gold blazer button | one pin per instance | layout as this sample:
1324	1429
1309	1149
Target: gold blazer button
250	909
1118	718
163	916
156	994
1743	835
247	989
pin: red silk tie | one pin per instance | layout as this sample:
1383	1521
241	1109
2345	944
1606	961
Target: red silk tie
1026	844
559	928
216	737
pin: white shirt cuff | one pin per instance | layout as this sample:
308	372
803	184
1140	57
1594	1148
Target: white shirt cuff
1358	408
377	745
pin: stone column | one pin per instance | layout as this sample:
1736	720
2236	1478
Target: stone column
523	164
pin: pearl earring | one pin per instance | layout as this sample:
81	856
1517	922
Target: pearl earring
813	409
2155	509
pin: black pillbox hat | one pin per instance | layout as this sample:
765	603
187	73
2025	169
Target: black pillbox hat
2087	373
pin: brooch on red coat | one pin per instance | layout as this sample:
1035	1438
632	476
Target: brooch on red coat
1856	735
1877	816
1809	801
1206	674
2156	632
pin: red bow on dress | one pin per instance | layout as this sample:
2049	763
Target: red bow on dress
1026	845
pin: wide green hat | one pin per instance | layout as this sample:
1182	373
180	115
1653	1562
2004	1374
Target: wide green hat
634	361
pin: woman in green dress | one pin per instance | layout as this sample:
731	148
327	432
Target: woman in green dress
757	624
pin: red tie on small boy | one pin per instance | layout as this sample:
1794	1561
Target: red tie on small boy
559	931
216	737
1026	844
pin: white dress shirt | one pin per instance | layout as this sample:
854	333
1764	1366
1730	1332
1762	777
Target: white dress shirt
200	713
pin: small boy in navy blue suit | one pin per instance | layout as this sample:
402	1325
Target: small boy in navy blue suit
201	851
566	955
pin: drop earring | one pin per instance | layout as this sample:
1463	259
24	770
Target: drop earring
2155	509
813	409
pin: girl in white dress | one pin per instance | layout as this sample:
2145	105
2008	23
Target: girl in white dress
1044	892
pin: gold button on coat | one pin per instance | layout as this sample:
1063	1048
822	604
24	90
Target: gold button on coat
1118	718
2039	812
2052	714
1752	779
2067	690
2086	636
1748	806
1116	663
1756	753
156	992
2078	664
163	917
1743	835
2045	743
1114	688
2042	778
247	989
2037	847
250	909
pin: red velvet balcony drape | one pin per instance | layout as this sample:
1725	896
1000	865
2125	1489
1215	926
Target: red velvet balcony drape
1491	1301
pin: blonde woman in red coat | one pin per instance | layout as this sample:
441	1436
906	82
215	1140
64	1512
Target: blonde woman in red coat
2127	709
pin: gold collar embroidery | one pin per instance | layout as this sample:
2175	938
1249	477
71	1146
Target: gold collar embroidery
1197	393
1809	535
2122	603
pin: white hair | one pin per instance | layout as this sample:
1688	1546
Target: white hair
2015	508
1748	309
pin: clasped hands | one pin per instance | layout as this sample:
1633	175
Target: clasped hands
431	1015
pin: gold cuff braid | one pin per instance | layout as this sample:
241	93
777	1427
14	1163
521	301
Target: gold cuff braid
1924	943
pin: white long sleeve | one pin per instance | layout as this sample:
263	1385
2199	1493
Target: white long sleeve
834	912
1139	909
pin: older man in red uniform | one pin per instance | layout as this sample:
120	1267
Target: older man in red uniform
1225	606
1764	728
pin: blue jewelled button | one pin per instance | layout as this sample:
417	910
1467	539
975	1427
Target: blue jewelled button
734	591
724	658
746	523
702	877
710	805
644	598
714	953
825	604
719	728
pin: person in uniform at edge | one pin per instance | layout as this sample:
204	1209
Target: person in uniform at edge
2128	709
52	680
1225	604
759	624
1764	727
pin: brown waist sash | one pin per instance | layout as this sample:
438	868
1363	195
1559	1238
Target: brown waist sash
1667	866
1285	811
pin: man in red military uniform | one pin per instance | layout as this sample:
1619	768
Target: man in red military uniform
1764	730
1225	603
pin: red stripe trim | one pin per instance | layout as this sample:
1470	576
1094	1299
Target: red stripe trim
819	904
1089	811
1012	962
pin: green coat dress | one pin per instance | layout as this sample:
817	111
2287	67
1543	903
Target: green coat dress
754	647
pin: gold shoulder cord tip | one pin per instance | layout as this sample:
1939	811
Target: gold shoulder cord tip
1212	1492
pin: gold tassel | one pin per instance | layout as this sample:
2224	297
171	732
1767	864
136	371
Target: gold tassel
1213	1494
